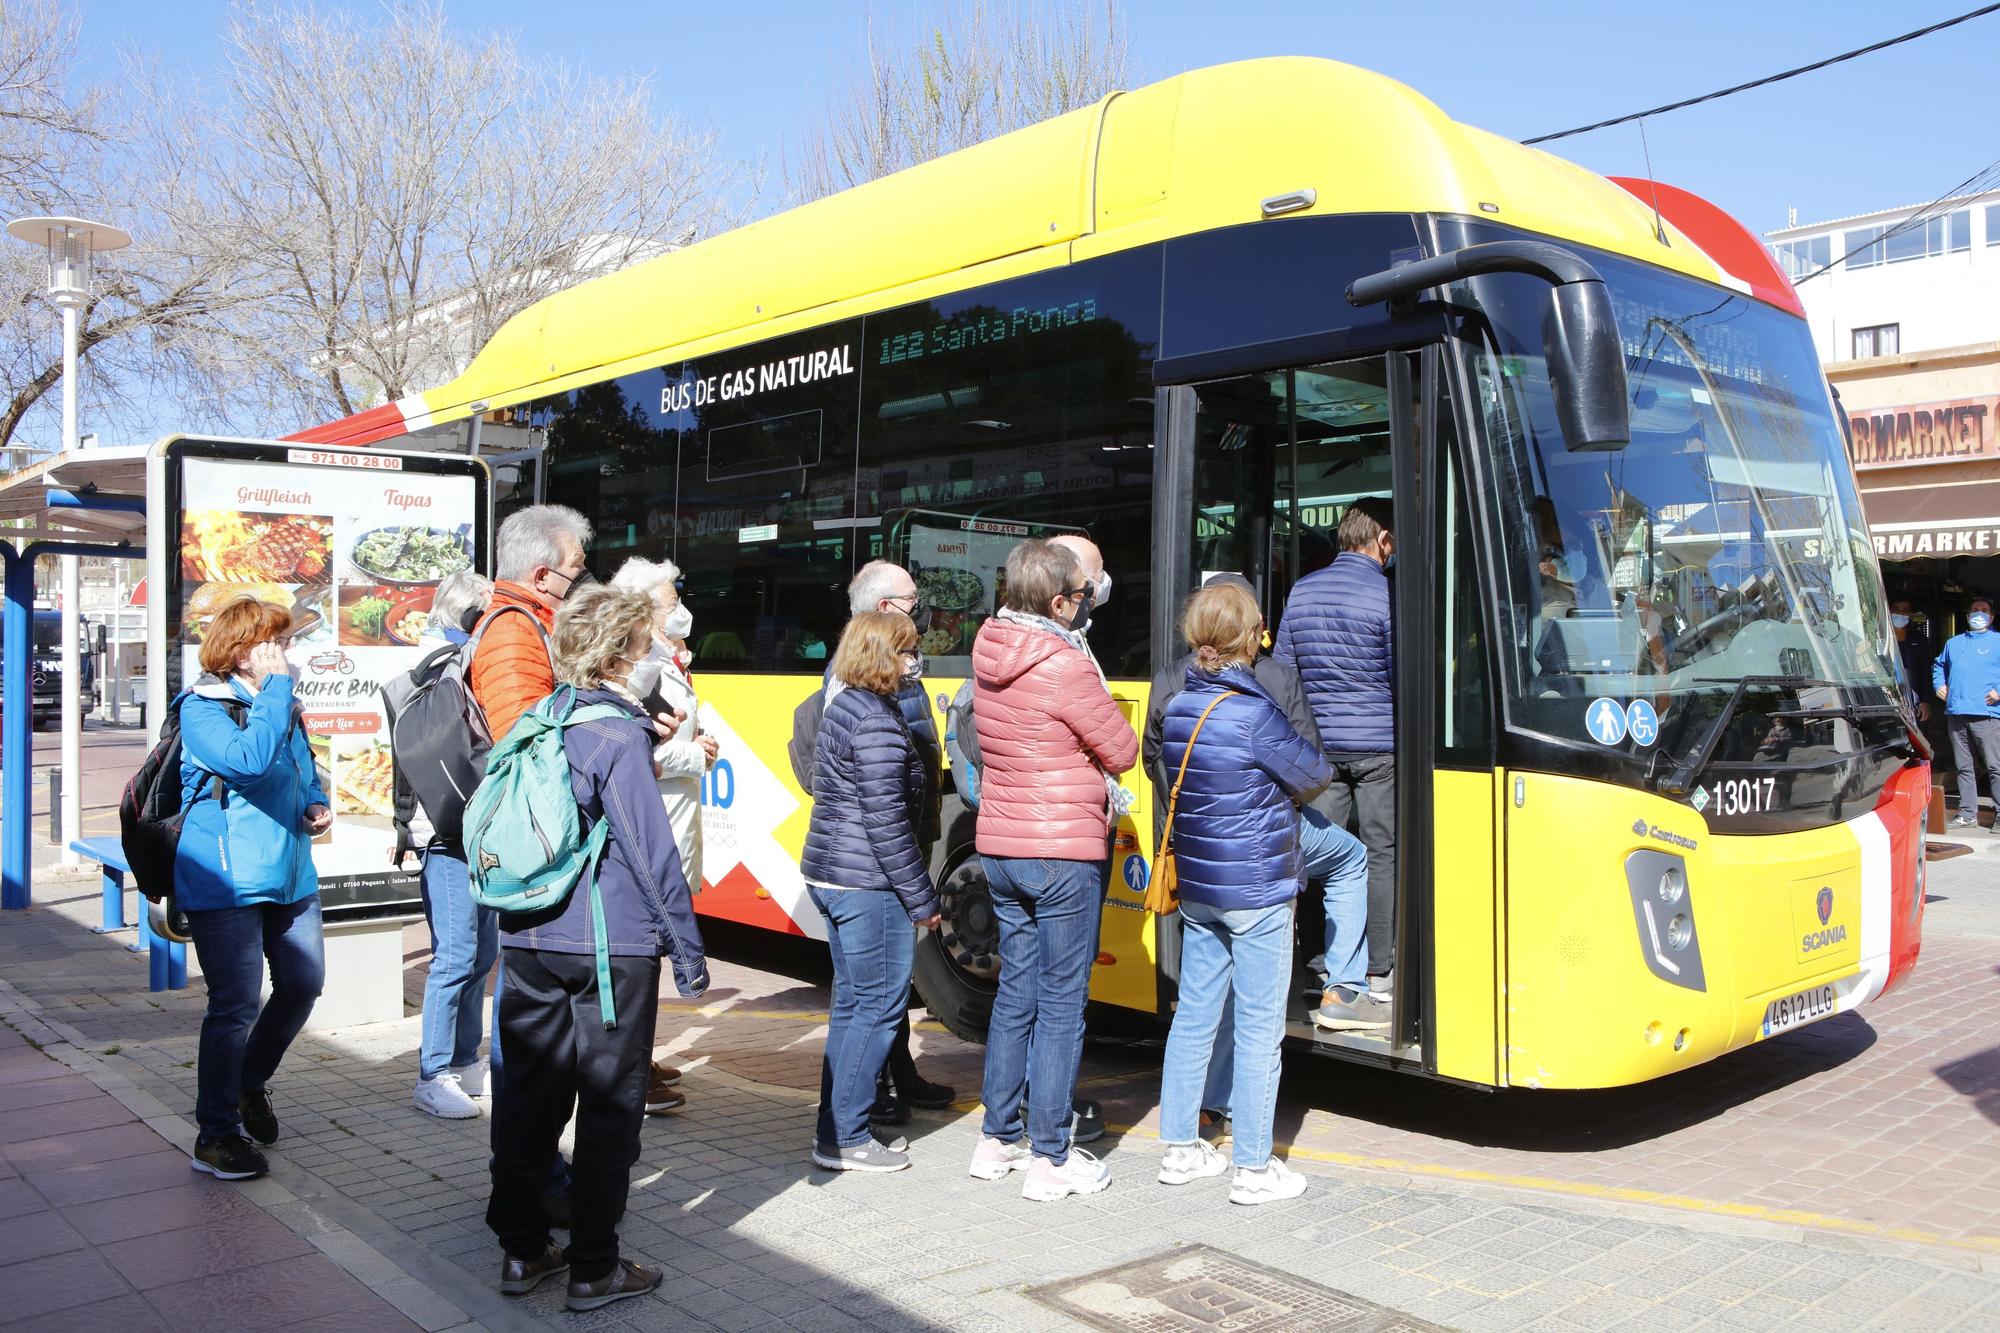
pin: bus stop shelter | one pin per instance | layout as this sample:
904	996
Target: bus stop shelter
91	502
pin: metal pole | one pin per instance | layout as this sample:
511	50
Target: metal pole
72	594
17	757
114	642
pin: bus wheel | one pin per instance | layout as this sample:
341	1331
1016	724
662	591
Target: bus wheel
958	964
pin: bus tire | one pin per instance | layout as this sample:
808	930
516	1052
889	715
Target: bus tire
957	966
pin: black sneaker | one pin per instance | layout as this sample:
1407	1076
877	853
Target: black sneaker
925	1095
234	1158
258	1117
888	1111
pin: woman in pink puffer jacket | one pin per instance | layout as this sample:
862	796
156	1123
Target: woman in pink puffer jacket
1050	741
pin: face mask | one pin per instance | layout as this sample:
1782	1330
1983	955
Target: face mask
1980	622
1101	594
1079	619
679	621
645	674
1900	622
583	579
913	671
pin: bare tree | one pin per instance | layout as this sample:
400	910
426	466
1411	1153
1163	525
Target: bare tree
396	191
980	70
62	150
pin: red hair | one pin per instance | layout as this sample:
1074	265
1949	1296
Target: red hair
236	629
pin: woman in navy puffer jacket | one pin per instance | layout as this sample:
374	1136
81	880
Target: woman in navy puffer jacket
866	875
1236	847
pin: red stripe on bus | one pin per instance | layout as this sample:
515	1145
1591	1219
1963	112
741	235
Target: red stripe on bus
1733	246
377	423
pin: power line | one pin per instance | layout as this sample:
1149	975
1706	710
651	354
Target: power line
1972	184
1981	12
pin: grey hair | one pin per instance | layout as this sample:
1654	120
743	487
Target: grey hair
1038	572
531	538
459	593
872	582
639	574
594	628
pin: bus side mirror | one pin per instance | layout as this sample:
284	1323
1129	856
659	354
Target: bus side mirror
1587	367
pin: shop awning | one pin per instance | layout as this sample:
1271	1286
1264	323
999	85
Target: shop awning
1934	522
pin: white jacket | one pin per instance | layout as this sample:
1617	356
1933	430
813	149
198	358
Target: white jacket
681	762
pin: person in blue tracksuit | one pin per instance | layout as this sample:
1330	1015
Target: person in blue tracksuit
1966	676
1235	840
1338	630
243	873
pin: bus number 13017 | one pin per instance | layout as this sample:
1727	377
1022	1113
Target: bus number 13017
1746	796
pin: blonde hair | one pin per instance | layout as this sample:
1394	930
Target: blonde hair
870	655
595	628
1223	624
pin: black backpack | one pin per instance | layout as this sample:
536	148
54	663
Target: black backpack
438	737
805	737
155	805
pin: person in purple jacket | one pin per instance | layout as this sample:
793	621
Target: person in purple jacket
560	1056
1339	632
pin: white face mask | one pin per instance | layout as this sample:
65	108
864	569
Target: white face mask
644	676
1102	591
913	671
1980	621
679	621
1900	622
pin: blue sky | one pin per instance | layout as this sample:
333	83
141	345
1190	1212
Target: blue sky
1893	128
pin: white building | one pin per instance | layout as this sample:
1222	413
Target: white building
1930	285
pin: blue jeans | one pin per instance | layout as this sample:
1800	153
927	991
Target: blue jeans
465	937
241	1043
1048	912
873	946
1248	952
1337	861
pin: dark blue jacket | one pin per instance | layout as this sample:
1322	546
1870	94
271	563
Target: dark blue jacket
648	909
1336	631
869	786
915	706
1236	826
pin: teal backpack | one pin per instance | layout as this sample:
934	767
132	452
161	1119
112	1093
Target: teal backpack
524	839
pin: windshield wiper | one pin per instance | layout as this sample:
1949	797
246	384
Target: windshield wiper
1682	778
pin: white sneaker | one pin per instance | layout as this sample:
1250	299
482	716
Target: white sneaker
1185	1162
1080	1174
1274	1184
471	1078
442	1097
994	1158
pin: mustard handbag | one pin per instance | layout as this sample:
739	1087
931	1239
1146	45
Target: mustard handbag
1163	889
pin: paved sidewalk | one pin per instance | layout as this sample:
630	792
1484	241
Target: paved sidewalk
753	1238
104	1226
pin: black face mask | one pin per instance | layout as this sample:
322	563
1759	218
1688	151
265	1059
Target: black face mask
582	579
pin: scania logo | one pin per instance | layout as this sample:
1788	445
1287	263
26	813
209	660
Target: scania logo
1825	905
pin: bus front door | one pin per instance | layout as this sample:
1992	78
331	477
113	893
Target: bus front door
1277	459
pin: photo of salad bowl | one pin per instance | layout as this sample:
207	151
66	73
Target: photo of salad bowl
410	554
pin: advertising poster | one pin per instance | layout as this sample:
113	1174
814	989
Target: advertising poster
960	565
353	545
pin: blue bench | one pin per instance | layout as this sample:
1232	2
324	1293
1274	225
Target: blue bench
166	959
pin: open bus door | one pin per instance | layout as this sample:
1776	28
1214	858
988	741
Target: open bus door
1271	461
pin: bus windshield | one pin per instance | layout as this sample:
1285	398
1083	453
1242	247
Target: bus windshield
1723	545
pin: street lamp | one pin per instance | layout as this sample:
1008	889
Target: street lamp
72	246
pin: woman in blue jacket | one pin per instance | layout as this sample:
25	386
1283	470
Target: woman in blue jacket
866	875
560	1055
1236	846
244	875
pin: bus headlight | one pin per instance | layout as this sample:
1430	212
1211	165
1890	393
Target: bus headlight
1663	911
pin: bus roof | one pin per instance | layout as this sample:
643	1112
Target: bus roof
1191	153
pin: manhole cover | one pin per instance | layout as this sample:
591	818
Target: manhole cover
1196	1287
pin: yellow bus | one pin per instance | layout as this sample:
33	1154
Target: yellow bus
1657	795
